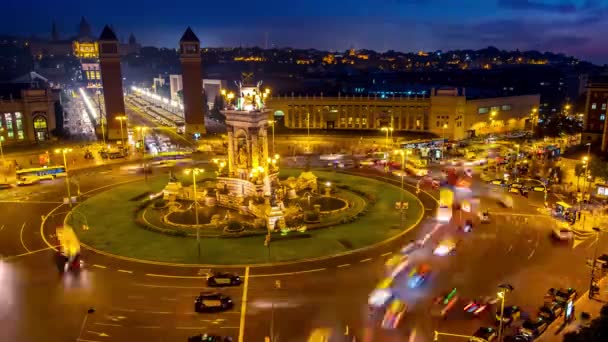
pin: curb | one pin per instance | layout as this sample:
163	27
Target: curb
284	263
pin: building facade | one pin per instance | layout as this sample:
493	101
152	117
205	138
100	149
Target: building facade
27	115
594	116
446	113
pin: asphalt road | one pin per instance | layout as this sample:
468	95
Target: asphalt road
148	302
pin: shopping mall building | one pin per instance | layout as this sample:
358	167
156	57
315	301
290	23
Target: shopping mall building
447	112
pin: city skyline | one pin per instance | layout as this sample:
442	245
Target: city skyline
572	27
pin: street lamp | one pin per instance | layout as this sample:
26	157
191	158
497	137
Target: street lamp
196	171
403	154
504	288
142	130
272	122
592	285
64	151
387	130
122	118
101	118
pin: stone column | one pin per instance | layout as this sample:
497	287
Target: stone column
264	135
255	151
231	156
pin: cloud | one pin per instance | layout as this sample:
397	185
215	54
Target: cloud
528	5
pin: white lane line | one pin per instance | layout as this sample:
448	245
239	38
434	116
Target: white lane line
168	286
159	312
168	299
343	265
171	276
21	238
99	266
125	271
244	306
286	274
531	254
365	260
125	310
193	328
510	249
2	227
149	327
109	324
387	253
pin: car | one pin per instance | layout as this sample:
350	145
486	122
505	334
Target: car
485	333
468	226
224	279
393	314
534	326
519	338
367	162
563	233
212	302
551	311
443	304
499	182
4	186
511	314
484	217
445	247
418	275
479	305
382	294
209	338
28	180
396	264
561	295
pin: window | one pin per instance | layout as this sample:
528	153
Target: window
19	124
438	124
482	110
602	117
8	119
603	106
40	123
342	121
364	121
350	120
495	108
593	105
418	123
505	107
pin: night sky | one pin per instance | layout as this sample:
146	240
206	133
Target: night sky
577	27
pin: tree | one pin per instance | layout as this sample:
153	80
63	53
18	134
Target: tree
558	124
218	105
598	168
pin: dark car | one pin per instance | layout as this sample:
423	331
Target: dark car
511	313
209	338
488	334
534	327
561	295
212	301
551	311
224	279
519	338
4	186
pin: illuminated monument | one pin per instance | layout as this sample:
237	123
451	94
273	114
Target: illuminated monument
190	57
111	77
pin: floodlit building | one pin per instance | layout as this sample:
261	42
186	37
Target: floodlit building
447	112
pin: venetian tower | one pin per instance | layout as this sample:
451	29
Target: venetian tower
111	80
190	58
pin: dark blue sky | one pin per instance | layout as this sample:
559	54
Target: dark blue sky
577	27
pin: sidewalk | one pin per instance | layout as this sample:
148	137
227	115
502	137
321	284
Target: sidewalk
557	329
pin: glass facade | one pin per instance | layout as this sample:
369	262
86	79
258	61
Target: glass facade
8	125
19	126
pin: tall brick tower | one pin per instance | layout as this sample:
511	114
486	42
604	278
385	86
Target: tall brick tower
111	80
190	57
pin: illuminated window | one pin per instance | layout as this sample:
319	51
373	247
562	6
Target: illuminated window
482	110
19	124
357	121
593	105
342	121
40	123
603	106
505	107
495	108
418	123
364	121
350	120
8	119
602	117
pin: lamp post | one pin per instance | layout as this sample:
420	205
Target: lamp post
101	118
272	122
403	154
492	117
387	130
64	151
592	277
122	118
142	130
196	171
504	288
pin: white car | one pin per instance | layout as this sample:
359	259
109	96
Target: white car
563	233
445	247
382	294
28	180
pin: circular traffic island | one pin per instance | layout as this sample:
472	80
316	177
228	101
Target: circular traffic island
133	220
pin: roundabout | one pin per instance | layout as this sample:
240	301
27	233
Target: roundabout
354	218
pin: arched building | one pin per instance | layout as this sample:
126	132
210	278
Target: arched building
447	112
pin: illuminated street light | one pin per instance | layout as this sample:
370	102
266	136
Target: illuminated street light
122	118
404	154
64	151
142	130
502	294
196	171
223	92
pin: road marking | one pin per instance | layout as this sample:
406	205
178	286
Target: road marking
343	265
229	327
286	273
187	328
126	310
510	249
109	324
149	327
244	306
31	252
171	276
531	254
365	260
21	237
99	266
168	299
33	202
167	286
85	340
387	253
125	271
1	228
159	312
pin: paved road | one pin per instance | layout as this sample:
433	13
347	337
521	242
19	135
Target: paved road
136	301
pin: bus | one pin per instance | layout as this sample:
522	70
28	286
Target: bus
34	175
175	155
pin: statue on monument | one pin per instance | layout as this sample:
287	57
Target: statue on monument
242	158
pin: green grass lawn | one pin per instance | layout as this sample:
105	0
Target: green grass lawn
110	218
